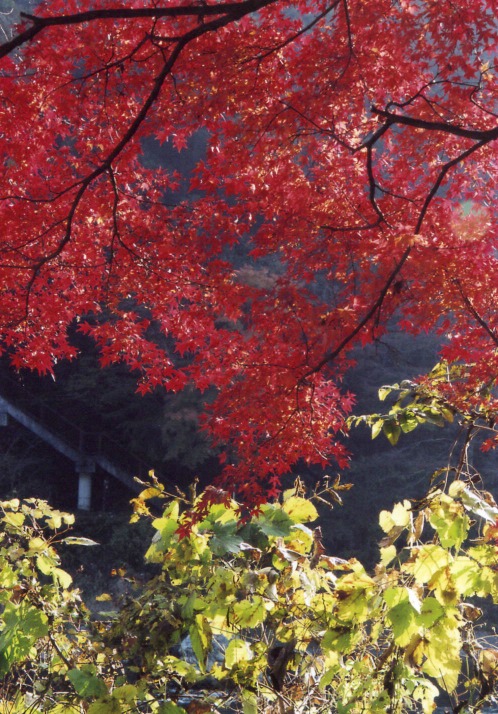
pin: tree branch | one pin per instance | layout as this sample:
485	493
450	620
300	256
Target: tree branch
200	10
477	317
330	356
475	134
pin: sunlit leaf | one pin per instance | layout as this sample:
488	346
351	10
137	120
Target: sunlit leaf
78	540
428	560
300	510
237	651
249	613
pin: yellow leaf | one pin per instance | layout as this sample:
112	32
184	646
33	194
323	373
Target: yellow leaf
237	651
388	554
386	521
442	651
401	514
429	559
300	510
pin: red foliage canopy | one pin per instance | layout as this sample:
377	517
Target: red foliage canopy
350	166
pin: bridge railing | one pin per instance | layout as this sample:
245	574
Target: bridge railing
90	443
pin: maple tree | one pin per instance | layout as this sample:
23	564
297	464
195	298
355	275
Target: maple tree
350	158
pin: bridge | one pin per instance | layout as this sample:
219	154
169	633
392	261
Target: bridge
86	450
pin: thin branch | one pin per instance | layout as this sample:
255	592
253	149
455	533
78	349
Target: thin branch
294	37
331	356
470	307
349	28
352	229
321	129
446	167
369	144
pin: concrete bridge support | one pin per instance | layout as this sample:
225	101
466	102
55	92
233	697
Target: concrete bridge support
85	463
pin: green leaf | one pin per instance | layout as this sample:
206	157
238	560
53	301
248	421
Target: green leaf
442	652
483	554
151	492
86	684
425	692
54	519
447	414
36	545
301	537
219	513
386	521
45	563
466	575
403	608
190	605
432	611
200	637
13	504
451	527
23	625
393	596
109	705
249	702
399	517
8	577
14	519
103	597
433	416
225	539
172	510
388	554
169	707
339	640
127	693
355	606
401	514
392	430
274	521
408	422
166	528
180	667
404	622
165	534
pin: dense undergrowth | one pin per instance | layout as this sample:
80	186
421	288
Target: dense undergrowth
247	612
